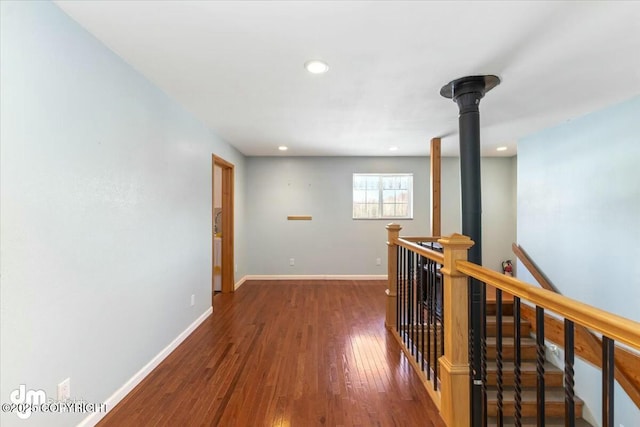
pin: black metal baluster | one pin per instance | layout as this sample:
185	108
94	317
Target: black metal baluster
440	304
429	316
499	364
416	305
422	319
569	394
404	296
411	297
608	365
540	359
517	360
409	301
398	293
434	311
483	352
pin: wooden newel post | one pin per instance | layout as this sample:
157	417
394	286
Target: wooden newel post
454	374
392	275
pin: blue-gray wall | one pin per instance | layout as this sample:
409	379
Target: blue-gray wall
335	244
579	219
105	213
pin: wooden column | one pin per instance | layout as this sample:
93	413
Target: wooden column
392	276
436	166
454	377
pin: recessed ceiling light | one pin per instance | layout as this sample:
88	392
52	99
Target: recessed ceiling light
283	148
501	149
394	148
316	66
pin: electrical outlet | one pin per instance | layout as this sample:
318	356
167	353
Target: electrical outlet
378	261
236	268
193	300
64	390
292	261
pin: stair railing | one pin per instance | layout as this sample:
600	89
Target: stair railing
427	314
448	381
590	349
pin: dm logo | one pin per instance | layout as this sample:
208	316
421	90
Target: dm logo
26	400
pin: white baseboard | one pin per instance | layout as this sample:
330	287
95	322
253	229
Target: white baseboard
316	277
119	394
240	282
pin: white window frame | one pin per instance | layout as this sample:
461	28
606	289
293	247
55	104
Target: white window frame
380	196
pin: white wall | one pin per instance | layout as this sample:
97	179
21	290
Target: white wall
498	211
579	220
334	243
105	213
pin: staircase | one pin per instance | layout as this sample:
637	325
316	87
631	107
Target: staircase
554	390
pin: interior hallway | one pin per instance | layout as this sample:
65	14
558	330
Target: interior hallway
285	353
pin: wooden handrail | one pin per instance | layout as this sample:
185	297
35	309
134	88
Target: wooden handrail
592	349
613	326
421	250
537	274
430	239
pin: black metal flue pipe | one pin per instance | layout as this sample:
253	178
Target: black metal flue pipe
467	93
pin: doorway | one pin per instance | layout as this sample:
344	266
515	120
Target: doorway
222	263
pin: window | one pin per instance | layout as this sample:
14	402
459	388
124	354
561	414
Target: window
382	196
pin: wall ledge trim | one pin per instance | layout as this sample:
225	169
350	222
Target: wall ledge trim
126	388
314	277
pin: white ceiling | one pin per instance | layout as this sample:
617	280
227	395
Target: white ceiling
238	66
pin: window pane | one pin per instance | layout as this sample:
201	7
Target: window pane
388	182
388	209
382	196
359	210
404	182
389	196
372	182
359	182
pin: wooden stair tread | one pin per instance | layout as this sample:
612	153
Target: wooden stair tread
552	395
506	319
553	376
528	377
507	308
508	327
554	402
508	342
527	366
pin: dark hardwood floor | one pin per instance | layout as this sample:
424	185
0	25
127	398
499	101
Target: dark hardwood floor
287	353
